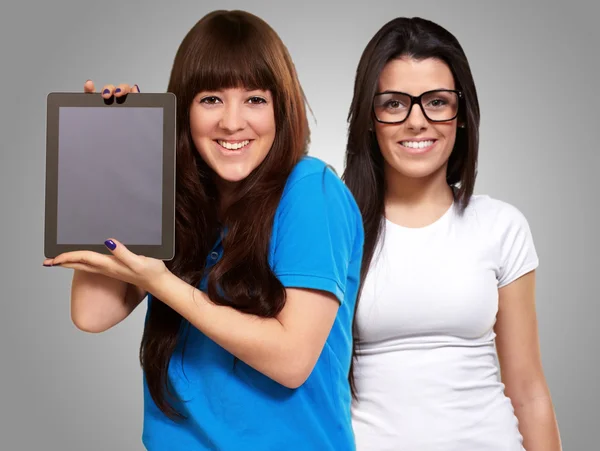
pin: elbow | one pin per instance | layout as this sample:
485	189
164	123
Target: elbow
296	372
525	391
87	323
88	327
293	381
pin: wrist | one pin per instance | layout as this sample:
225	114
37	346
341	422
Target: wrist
156	285
178	294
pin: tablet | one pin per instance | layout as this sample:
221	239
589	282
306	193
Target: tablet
110	173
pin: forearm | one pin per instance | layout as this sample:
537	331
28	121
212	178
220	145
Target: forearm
537	424
262	343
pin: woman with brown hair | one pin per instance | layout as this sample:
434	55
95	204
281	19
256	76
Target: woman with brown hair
247	339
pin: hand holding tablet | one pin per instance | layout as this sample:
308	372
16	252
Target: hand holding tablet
110	171
110	90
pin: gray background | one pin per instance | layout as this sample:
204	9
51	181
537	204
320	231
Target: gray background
109	175
536	69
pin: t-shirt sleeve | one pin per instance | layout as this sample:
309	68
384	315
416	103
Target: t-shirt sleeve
318	229
518	255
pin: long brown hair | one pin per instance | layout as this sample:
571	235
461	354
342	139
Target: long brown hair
226	49
364	172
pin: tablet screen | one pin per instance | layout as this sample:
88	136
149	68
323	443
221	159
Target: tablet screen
110	169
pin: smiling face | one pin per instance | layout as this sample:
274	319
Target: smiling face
417	147
233	130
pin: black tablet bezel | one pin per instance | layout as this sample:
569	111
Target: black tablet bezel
166	101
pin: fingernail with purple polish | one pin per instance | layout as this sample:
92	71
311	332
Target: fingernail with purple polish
138	88
110	244
106	91
118	90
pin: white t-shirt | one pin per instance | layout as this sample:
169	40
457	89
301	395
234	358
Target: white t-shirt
427	373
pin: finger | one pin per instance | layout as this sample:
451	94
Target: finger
85	257
136	89
121	252
108	91
88	86
122	89
95	262
80	267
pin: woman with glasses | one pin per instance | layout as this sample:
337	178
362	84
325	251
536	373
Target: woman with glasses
448	278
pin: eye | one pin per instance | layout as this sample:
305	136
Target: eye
255	100
437	103
393	104
210	100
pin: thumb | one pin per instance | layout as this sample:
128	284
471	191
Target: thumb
120	251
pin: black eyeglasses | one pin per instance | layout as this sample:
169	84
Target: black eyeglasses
438	105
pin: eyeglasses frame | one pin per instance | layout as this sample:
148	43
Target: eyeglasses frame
417	100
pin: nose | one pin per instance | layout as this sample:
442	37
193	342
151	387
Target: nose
416	120
232	119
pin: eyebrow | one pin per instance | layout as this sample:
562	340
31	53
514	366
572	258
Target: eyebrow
221	91
393	91
257	89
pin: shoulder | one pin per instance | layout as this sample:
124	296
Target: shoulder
506	228
314	194
313	178
493	212
309	168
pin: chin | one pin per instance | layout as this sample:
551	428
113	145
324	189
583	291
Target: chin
234	172
417	170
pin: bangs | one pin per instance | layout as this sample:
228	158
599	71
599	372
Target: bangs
231	56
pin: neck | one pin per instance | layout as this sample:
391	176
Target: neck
416	201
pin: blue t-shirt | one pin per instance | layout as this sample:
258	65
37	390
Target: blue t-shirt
316	242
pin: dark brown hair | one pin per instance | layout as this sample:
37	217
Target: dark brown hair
226	49
418	39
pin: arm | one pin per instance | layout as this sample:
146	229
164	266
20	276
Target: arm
317	236
99	302
521	367
317	226
284	348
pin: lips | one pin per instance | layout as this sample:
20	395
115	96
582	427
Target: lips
233	145
417	144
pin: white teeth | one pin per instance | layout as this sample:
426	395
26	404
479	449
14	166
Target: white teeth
417	144
233	146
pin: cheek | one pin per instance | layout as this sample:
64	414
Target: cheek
386	138
264	124
200	132
199	124
448	131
